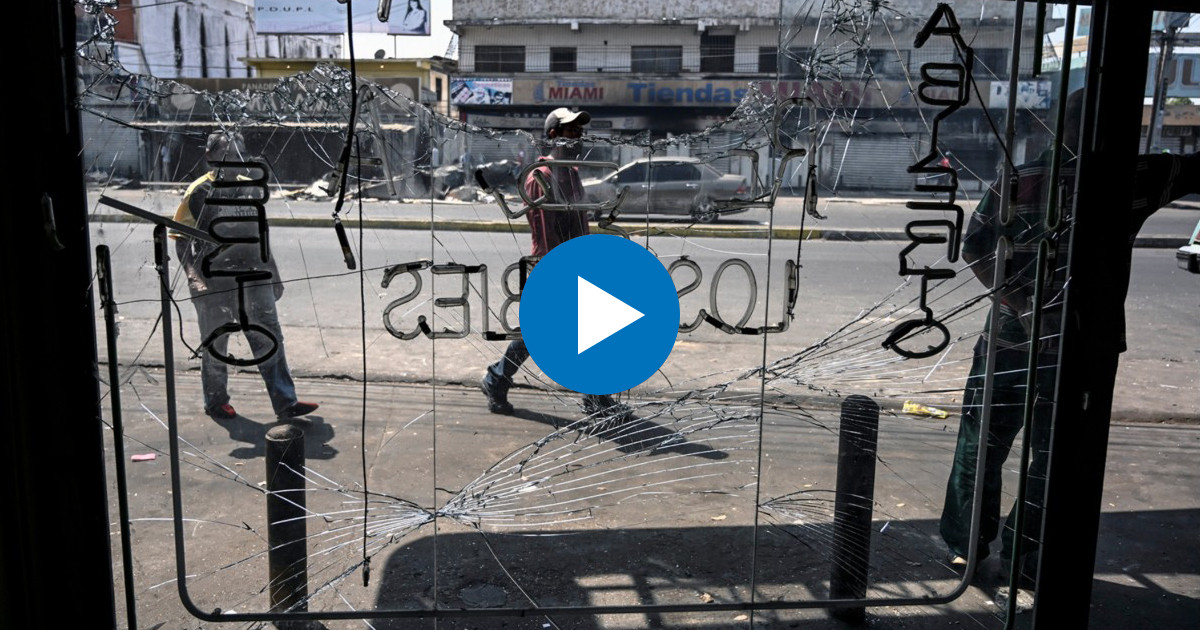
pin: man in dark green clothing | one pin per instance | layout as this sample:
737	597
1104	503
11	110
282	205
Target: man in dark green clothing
1159	179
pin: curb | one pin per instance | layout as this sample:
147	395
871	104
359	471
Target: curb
893	408
709	231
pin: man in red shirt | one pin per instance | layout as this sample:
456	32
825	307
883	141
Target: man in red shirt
549	228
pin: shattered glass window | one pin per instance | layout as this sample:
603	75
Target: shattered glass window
286	231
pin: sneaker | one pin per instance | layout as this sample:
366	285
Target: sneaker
605	415
607	409
1024	599
298	408
222	412
497	398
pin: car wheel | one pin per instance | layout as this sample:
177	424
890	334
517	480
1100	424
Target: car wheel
705	212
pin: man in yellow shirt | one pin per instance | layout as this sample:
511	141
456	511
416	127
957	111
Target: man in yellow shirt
234	284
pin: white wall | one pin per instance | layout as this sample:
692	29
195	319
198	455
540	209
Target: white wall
228	27
611	9
622	10
229	36
608	46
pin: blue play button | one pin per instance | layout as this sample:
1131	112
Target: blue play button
599	314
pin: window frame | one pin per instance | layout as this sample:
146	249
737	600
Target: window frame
499	58
717	52
771	55
557	65
661	59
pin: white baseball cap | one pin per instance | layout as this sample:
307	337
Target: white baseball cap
562	116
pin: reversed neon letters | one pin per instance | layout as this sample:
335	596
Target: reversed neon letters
248	205
935	76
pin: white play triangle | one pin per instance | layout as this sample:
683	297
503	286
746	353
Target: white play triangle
601	315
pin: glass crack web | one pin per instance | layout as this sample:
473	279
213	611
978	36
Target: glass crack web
731	446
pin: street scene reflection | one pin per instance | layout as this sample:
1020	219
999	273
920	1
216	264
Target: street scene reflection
319	245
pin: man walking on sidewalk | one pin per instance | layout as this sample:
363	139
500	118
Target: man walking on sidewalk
548	229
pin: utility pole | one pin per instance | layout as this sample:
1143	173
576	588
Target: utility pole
1172	23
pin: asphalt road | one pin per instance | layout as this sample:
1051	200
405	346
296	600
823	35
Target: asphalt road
324	310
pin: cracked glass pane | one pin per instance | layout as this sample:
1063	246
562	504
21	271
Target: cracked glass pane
809	198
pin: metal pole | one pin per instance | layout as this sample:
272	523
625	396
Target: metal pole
107	302
1010	115
286	527
57	526
1170	34
1092	313
1156	104
853	504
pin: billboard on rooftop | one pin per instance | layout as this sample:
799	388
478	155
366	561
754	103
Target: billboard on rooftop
325	17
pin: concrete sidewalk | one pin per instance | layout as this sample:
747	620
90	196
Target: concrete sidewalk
876	218
543	510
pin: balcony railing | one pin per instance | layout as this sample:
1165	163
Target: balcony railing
885	63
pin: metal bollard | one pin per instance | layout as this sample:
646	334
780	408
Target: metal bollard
287	555
853	504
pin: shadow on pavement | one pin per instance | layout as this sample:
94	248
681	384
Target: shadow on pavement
633	436
622	567
317	435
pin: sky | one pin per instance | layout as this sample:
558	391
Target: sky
408	47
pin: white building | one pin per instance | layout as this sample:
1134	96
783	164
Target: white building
678	67
192	39
202	39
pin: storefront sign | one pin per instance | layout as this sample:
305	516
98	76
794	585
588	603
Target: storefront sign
481	91
512	283
248	205
661	93
716	93
1030	95
568	91
653	93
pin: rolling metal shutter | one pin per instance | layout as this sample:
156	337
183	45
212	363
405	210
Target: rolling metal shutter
1174	144
877	163
109	147
486	149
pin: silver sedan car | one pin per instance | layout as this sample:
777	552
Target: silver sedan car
1188	256
670	185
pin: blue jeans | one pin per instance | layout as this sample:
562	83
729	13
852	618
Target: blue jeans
499	374
216	308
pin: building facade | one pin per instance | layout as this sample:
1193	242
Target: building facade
212	45
203	40
673	68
